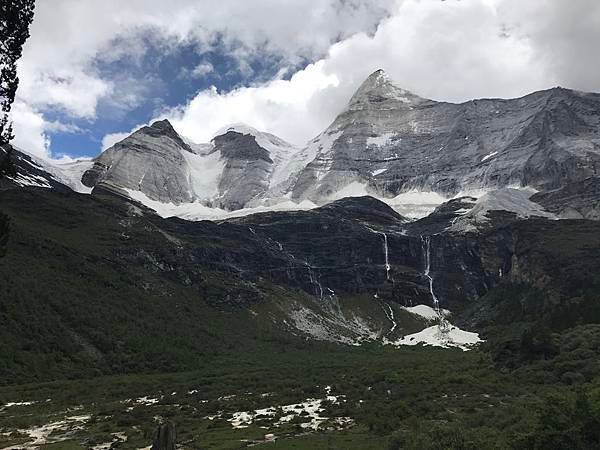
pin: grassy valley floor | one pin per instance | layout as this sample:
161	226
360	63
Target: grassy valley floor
147	320
337	397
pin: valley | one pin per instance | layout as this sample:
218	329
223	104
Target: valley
409	398
243	331
421	275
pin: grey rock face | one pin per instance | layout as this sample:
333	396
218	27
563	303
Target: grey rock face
386	141
150	161
393	141
237	167
247	169
579	200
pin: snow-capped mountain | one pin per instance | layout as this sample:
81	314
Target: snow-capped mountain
526	163
412	153
151	161
392	141
238	166
254	164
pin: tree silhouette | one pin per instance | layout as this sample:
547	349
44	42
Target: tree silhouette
15	18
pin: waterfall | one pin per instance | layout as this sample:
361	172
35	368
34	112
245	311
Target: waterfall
386	252
315	282
427	243
314	279
443	324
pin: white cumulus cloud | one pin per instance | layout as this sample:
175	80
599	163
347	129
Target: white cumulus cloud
272	106
445	50
449	51
69	37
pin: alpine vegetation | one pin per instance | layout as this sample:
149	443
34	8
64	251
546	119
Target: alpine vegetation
221	231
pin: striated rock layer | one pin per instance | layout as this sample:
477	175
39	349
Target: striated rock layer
387	143
150	161
393	141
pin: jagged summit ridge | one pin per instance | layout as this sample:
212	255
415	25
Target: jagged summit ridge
379	88
156	164
151	160
390	146
243	128
387	143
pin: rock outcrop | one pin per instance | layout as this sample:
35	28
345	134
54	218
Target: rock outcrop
578	200
393	141
387	141
150	161
247	169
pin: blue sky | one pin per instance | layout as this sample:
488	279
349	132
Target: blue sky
161	80
93	71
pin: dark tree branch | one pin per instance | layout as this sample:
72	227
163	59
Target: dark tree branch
15	18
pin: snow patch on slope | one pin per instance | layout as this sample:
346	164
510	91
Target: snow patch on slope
308	413
198	149
380	141
412	204
415	204
319	148
354	189
66	171
204	174
488	156
31	180
283	154
445	336
425	311
507	199
321	145
198	211
53	432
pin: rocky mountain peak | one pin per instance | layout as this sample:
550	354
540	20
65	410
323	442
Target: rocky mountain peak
379	88
237	145
151	161
163	125
387	142
238	127
264	139
162	128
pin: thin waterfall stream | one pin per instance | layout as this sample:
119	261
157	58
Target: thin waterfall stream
436	302
443	323
386	252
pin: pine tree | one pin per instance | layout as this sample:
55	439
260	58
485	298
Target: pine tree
15	18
